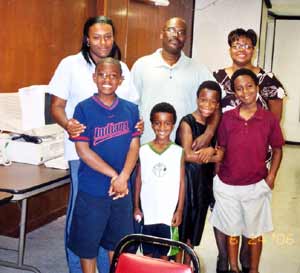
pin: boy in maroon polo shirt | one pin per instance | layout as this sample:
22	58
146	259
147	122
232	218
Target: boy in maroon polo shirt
242	187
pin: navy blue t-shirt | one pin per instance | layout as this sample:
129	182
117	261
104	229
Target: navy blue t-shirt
109	131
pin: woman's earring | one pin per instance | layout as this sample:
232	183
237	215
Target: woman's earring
87	43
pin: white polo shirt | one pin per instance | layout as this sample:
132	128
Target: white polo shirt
73	82
156	82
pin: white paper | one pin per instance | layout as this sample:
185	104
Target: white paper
57	163
32	99
10	113
53	130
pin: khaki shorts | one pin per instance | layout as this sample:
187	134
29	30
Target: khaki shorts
242	210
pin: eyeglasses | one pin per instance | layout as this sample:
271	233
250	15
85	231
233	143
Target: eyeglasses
173	31
111	76
241	46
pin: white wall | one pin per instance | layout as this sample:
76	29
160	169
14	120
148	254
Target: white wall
214	19
283	7
286	63
269	44
262	35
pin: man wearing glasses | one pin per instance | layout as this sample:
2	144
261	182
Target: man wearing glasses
168	75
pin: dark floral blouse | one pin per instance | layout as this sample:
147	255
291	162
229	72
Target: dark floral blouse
269	88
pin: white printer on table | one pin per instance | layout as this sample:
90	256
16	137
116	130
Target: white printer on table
24	113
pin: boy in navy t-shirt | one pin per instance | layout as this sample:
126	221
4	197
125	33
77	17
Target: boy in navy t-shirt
108	151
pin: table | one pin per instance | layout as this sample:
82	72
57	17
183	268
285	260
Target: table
23	181
5	197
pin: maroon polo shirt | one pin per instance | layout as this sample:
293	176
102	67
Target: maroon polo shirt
246	145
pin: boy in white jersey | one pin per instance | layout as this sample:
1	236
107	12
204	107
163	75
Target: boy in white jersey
159	189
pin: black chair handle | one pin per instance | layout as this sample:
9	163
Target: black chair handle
141	238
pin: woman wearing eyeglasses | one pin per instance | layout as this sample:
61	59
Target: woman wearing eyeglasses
241	48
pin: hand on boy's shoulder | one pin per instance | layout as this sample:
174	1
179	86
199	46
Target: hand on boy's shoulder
74	128
140	125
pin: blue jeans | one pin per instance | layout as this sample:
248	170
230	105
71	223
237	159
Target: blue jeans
73	260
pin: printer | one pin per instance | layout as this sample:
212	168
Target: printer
17	149
33	138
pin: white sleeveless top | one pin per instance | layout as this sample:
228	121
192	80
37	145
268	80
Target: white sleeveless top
160	174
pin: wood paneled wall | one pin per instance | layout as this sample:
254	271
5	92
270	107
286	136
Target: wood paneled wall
138	25
35	35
